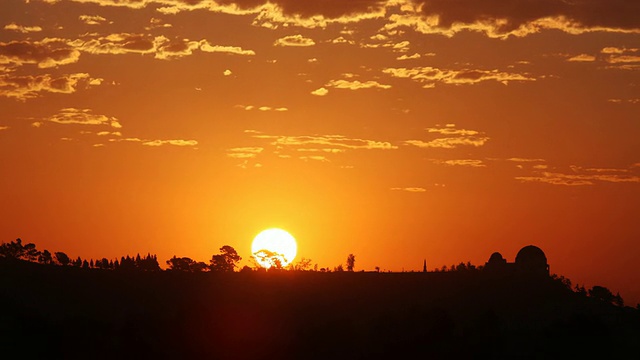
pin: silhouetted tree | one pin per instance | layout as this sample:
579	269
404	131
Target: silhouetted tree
85	264
274	259
601	293
13	250
377	268
185	264
581	290
338	268
566	282
147	263
225	261
62	258
351	262
45	258
303	264
30	253
617	300
246	269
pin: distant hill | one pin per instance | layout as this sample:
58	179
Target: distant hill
68	312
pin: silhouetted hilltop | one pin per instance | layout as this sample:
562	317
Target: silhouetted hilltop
70	312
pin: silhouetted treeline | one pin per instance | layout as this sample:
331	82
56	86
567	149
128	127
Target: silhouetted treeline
195	309
16	251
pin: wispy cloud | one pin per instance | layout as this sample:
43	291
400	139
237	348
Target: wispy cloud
262	108
244	152
582	176
294	40
92	19
410	189
431	75
28	87
461	162
22	29
455	138
320	92
69	116
356	85
582	58
45	54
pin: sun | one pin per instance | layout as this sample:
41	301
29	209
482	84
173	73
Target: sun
274	247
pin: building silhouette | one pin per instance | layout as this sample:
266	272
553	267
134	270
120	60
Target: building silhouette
530	261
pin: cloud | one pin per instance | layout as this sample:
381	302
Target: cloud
450	129
582	58
449	143
356	85
342	40
294	40
169	142
516	159
236	50
271	14
155	23
28	87
409	57
617	50
410	189
69	116
616	59
244	152
628	101
3	128
92	19
45	54
262	108
583	176
328	141
320	92
430	75
21	28
500	19
227	72
463	162
462	137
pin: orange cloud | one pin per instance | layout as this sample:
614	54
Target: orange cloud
21	28
45	54
320	92
28	87
462	137
92	19
69	116
294	40
177	142
410	189
583	176
430	75
356	85
462	162
496	20
244	152
582	58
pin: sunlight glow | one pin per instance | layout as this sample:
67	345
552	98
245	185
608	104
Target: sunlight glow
274	247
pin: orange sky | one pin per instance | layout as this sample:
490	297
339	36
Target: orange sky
395	130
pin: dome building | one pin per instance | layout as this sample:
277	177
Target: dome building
496	262
530	260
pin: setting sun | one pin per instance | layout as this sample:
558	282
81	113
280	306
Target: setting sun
274	247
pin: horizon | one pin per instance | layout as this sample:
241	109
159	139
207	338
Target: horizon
395	130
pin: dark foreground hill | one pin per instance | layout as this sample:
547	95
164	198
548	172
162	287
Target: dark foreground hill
64	312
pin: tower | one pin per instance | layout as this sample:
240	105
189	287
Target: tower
424	266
